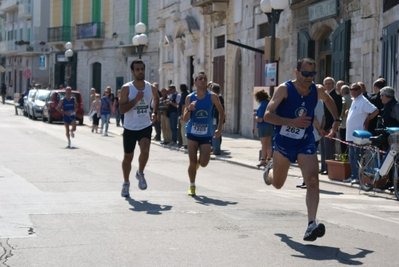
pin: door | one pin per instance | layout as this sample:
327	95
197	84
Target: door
97	77
218	72
389	59
340	51
306	46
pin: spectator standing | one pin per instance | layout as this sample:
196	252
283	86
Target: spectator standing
327	145
3	92
390	112
199	127
217	141
135	104
96	109
360	114
172	112
346	104
163	110
106	108
157	122
375	99
265	129
20	104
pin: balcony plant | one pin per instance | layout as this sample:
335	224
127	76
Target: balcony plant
29	48
42	43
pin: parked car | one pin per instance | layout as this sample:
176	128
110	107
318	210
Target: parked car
35	108
28	101
50	113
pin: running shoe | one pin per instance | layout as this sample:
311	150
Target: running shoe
191	190
105	134
125	190
72	135
142	181
266	177
92	130
69	144
314	231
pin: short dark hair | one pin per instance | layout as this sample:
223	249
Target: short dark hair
216	88
198	74
183	87
380	83
136	61
261	95
307	60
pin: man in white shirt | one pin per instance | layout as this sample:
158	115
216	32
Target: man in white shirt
359	116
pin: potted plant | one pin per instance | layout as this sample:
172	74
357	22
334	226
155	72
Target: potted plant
339	168
29	48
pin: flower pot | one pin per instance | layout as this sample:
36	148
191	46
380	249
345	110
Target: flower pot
338	170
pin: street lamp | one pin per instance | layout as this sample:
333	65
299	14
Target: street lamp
68	54
273	9
140	39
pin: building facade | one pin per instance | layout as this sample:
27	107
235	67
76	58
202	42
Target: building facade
23	48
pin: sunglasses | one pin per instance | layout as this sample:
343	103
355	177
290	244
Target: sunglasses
355	89
307	74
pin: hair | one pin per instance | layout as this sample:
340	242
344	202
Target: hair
216	88
92	89
261	95
136	61
380	83
172	86
68	87
388	92
357	85
97	95
198	74
345	89
183	87
329	78
306	60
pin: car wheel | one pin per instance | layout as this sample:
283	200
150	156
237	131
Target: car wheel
81	122
33	115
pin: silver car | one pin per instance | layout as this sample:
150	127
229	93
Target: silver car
35	106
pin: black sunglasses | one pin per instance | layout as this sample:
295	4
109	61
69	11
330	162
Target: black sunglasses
308	73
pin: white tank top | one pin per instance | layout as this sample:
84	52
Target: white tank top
139	116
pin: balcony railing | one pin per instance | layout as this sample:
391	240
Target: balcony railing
25	10
198	3
92	30
8	5
59	34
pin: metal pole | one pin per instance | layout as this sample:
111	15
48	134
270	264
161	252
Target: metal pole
140	50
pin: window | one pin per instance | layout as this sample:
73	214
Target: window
325	44
138	13
220	41
264	30
388	4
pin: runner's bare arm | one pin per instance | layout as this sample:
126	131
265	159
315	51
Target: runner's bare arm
155	98
58	108
187	109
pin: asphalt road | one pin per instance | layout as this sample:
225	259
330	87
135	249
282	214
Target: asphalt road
62	207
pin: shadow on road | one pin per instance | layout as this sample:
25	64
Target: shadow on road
330	192
149	208
211	201
320	253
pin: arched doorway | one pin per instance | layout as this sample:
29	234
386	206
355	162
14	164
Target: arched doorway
325	56
97	77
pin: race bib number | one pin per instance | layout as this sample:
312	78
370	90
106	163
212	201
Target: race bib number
200	129
292	132
142	111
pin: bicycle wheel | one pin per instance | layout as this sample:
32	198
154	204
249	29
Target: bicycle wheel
395	178
367	165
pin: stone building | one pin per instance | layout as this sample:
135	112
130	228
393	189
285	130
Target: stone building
101	33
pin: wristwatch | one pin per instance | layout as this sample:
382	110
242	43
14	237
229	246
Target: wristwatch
337	120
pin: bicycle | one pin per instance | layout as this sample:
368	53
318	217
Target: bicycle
372	165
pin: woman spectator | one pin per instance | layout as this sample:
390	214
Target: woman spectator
265	129
106	108
96	108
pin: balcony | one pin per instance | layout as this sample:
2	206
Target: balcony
58	36
9	48
25	10
211	6
9	5
90	33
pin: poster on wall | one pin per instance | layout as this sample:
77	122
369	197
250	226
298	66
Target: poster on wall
270	74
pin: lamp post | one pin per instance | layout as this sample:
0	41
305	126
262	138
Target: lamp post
140	39
68	54
273	9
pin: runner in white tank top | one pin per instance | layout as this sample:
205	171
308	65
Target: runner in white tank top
135	104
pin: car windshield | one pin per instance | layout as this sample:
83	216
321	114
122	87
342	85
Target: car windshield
42	96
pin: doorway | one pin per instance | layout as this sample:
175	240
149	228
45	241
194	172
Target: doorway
325	57
97	77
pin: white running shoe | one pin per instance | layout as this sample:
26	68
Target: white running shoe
266	177
72	134
125	190
142	181
314	231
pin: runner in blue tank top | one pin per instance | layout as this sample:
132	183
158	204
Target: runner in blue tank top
68	106
291	110
199	127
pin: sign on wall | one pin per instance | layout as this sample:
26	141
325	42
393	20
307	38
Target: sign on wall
323	10
42	62
271	74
